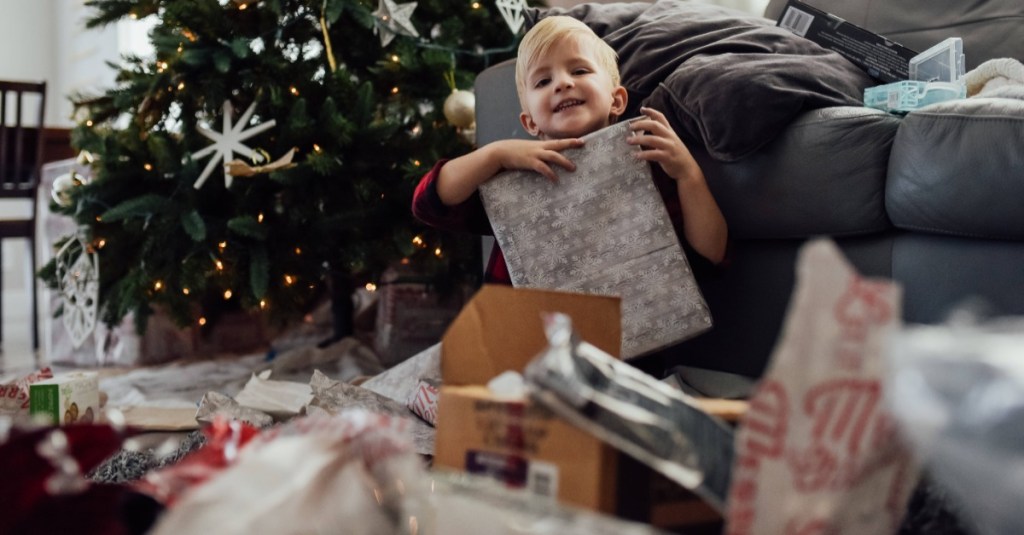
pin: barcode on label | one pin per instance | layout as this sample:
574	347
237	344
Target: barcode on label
797	21
542	479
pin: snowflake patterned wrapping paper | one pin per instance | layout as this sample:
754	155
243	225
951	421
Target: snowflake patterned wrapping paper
602	229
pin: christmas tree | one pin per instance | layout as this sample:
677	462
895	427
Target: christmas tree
326	113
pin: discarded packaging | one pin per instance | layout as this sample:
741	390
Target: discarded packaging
639	415
216	405
523	444
14	396
423	402
280	399
334	397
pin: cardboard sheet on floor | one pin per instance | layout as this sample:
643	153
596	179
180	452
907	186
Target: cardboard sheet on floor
160	418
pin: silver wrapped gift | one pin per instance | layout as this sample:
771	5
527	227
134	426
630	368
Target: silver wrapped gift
602	229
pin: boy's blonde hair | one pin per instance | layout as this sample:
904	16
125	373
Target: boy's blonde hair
552	30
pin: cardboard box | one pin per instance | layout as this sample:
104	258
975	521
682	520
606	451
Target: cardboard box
66	399
881	58
525	445
516	441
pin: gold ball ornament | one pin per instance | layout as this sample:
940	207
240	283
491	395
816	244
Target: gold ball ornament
62	186
460	108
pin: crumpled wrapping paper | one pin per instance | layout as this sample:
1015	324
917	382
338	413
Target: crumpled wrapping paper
215	404
280	399
348	473
400	382
333	397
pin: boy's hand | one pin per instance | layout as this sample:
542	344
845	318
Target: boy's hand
460	178
537	156
659	143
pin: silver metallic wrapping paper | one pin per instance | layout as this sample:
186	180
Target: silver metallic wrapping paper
633	412
602	229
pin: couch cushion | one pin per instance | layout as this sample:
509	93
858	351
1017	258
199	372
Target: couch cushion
957	168
989	28
824	175
726	80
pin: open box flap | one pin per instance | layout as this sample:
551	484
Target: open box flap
500	329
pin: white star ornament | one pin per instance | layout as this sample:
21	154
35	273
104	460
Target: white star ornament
392	19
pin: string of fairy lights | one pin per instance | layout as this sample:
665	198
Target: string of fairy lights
511	11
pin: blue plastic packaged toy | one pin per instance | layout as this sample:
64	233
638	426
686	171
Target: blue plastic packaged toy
935	75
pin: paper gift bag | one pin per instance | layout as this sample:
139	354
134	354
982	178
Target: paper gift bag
817	451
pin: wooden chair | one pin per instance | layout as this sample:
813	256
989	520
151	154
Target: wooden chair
21	159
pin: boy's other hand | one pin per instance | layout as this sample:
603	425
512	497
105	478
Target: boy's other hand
538	156
659	143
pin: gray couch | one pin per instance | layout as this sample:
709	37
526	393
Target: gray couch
934	200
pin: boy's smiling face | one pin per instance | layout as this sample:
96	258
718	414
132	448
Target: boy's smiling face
568	94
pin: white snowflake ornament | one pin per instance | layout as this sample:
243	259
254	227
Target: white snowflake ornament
79	290
229	141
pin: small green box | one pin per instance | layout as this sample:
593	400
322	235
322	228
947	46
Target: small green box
45	400
66	399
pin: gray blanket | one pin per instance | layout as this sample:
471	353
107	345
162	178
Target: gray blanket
727	81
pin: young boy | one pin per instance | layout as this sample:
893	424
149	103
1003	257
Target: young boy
568	84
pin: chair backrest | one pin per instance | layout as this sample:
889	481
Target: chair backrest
21	137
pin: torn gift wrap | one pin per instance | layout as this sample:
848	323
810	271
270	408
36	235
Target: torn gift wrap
280	399
14	401
334	397
817	452
601	229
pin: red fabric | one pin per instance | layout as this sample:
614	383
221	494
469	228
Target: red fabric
27	506
223	440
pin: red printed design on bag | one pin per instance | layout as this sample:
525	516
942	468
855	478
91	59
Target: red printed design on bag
862	306
842	411
766	421
763	436
14	396
742	493
424	402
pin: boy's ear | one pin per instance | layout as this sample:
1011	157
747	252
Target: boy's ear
620	97
527	121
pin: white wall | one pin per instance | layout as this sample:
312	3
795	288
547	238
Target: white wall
26	41
47	40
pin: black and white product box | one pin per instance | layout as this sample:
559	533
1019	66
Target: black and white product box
881	58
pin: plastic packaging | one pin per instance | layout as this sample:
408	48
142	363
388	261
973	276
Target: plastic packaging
957	392
936	75
637	414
